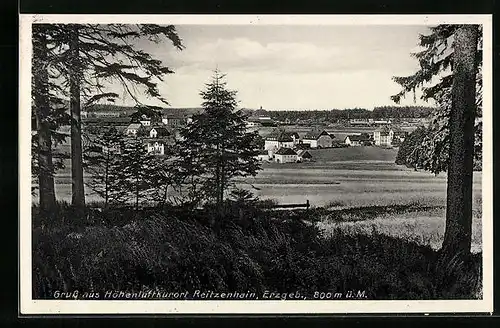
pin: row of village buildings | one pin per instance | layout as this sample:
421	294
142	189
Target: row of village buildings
279	146
288	147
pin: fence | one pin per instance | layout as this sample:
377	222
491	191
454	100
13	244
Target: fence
306	205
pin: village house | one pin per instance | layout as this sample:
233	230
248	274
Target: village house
303	156
157	132
357	140
156	139
105	114
278	139
145	120
174	120
383	135
145	116
132	129
318	139
266	121
155	146
381	122
285	155
252	122
360	122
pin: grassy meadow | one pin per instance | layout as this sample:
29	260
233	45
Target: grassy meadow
360	178
373	226
353	178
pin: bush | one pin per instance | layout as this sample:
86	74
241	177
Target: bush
280	251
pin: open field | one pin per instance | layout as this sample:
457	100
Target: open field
362	177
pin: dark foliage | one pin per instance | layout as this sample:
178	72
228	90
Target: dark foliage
250	249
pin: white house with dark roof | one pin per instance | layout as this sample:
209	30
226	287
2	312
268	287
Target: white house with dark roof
156	139
357	139
285	155
278	139
318	139
158	132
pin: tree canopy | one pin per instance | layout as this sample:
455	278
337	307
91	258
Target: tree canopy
435	79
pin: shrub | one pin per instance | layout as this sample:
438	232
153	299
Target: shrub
280	251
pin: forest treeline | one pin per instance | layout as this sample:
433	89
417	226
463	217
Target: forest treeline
334	115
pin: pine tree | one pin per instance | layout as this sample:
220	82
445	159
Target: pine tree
42	111
48	114
409	151
103	161
166	175
136	171
219	139
89	57
459	97
457	238
436	59
75	78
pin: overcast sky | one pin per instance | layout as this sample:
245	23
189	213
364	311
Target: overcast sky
291	67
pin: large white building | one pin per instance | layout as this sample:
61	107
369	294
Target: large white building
386	136
279	139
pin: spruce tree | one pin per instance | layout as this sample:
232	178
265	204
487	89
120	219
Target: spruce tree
456	120
48	114
436	60
136	171
219	138
165	175
89	57
103	161
41	108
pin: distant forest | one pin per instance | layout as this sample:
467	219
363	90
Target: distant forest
348	113
333	115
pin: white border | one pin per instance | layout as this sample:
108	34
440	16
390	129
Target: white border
29	306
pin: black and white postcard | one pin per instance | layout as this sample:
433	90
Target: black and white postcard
202	164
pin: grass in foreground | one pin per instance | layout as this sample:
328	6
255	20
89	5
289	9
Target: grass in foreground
176	250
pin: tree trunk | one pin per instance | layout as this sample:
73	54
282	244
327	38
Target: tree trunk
42	112
107	182
77	187
218	178
137	191
457	238
222	182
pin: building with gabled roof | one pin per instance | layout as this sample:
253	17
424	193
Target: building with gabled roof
285	155
279	138
357	139
318	139
157	132
303	155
